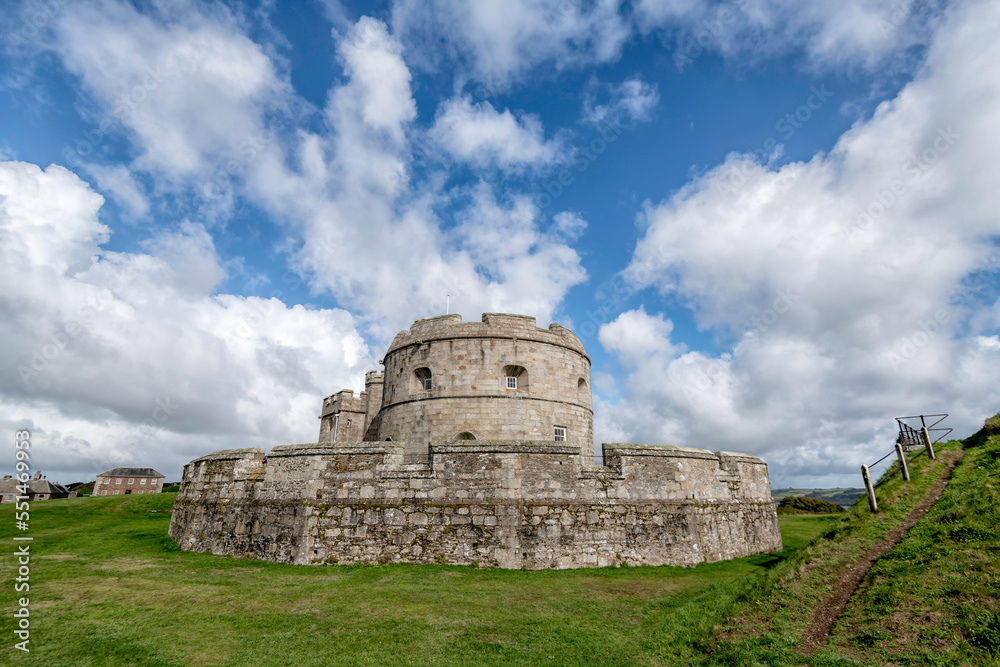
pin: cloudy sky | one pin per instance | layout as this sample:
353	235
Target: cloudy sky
772	223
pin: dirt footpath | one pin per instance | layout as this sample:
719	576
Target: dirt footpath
835	602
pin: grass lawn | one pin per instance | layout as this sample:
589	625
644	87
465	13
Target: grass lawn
797	530
108	587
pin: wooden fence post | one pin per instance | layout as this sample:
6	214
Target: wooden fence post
902	461
872	503
927	442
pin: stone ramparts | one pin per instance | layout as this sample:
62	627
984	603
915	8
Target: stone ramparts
493	503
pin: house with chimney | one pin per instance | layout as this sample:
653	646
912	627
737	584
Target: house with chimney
125	481
38	488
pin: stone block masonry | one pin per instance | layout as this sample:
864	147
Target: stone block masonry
494	503
475	446
444	380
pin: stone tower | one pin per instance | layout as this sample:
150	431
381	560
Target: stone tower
446	380
349	418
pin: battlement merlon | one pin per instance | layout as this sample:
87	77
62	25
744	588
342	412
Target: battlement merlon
219	469
501	325
256	453
343	401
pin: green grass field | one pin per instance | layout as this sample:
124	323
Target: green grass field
108	587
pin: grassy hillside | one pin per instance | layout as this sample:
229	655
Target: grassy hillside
806	505
108	587
935	599
84	488
931	600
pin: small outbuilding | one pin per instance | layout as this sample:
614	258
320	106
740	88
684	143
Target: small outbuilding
123	481
38	488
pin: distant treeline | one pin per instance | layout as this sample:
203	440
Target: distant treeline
843	497
793	504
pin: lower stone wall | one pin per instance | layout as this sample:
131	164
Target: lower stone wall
512	505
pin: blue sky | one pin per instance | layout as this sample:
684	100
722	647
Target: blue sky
772	225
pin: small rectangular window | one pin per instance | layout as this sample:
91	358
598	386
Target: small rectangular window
427	384
142	482
131	479
560	433
119	481
116	492
511	382
104	492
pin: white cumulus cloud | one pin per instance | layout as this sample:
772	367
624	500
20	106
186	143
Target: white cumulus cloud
842	283
133	358
499	40
632	100
481	135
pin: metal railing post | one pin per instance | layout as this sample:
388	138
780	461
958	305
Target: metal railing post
872	503
902	462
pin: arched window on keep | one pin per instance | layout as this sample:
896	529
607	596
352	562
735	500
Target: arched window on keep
581	391
515	378
422	379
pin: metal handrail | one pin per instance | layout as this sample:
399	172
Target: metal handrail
908	435
891	452
942	415
946	432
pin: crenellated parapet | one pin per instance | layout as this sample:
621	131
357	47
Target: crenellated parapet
493	325
500	503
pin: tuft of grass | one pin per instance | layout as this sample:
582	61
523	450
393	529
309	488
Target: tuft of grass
982	630
992	425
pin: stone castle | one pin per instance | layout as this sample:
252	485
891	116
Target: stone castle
475	446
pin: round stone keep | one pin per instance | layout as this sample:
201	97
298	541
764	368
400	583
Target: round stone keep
500	379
